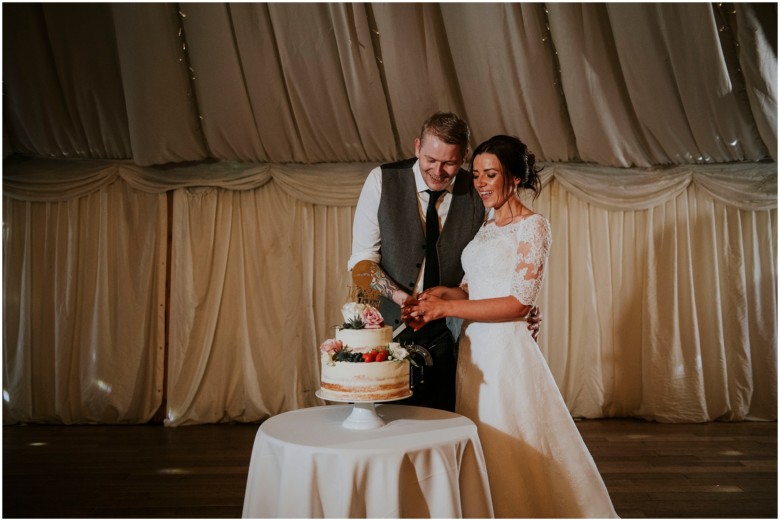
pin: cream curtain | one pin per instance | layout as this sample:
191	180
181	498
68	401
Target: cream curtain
84	306
666	312
660	298
258	281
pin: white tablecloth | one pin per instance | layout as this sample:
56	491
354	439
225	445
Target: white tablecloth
422	463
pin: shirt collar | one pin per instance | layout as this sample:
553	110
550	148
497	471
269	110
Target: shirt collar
420	182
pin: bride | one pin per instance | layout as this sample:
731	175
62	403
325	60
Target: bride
537	463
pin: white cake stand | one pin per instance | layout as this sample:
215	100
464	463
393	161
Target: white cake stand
363	415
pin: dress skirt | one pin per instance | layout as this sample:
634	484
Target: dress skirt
538	465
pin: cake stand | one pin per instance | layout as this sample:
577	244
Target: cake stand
363	415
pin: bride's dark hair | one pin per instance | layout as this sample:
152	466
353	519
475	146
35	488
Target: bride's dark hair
517	160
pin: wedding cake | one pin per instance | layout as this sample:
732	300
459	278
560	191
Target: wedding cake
362	363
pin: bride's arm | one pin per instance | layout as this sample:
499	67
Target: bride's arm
446	293
499	309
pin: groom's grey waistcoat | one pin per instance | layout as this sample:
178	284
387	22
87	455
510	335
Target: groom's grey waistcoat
403	236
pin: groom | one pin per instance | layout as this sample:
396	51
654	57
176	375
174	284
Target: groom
412	221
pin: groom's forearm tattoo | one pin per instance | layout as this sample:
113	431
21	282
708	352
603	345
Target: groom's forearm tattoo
384	284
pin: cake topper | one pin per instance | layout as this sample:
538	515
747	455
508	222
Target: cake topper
363	292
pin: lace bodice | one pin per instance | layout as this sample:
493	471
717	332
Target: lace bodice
507	260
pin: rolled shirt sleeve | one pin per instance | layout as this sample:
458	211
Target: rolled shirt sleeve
366	239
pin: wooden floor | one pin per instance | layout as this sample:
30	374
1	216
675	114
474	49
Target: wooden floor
715	470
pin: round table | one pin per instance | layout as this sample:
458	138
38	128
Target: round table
421	463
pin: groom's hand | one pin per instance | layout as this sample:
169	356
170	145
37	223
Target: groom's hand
407	306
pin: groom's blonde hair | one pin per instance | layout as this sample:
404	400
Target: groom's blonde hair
448	127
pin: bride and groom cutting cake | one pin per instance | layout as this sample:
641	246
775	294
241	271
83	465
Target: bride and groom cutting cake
440	243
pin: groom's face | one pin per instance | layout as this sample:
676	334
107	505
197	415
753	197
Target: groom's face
439	161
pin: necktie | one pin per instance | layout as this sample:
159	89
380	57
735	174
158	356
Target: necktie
431	275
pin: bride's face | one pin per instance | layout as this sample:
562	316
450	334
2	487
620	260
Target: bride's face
490	181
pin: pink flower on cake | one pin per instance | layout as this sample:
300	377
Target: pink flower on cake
372	319
331	346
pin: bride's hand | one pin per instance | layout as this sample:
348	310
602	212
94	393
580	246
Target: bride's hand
534	321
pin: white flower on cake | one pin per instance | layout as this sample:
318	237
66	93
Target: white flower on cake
351	310
397	352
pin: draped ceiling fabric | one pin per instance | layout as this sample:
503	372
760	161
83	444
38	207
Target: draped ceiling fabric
180	181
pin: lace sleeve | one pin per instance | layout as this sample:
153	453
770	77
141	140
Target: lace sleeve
533	247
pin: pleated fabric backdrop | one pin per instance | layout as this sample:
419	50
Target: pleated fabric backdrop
660	298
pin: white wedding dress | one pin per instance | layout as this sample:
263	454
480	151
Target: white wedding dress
538	465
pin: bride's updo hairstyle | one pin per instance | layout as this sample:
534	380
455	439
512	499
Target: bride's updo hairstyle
516	159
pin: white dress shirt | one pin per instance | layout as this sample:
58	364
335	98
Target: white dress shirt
366	239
